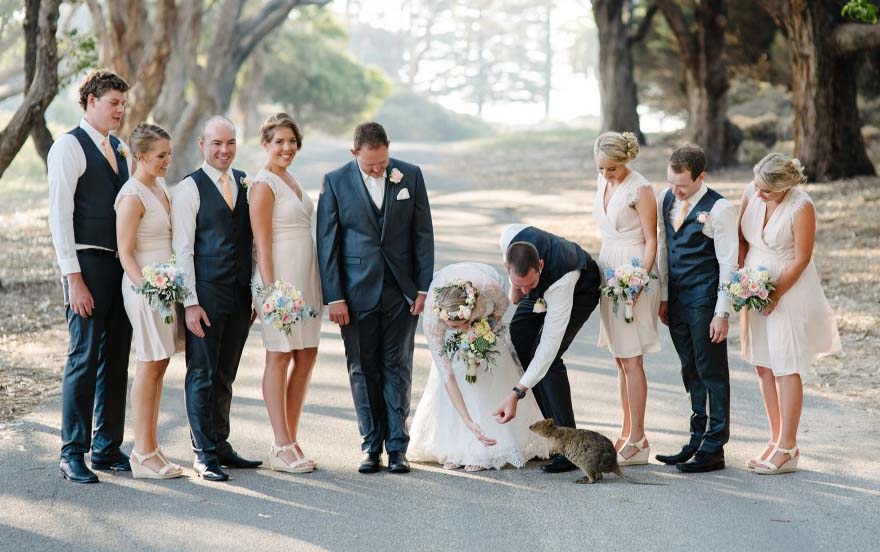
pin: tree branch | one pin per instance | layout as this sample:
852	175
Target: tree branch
270	16
849	38
687	40
638	34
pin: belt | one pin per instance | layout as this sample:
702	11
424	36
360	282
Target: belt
98	253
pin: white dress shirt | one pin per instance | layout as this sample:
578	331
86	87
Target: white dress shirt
375	187
184	210
559	298
722	227
67	163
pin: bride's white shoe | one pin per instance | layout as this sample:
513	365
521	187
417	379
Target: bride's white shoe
276	463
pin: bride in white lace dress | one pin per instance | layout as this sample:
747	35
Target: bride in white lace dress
453	424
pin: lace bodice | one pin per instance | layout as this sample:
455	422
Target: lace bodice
491	301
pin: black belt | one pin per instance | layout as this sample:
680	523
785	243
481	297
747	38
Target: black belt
98	253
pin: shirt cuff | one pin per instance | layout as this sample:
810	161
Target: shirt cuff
191	301
423	293
723	304
69	266
337	301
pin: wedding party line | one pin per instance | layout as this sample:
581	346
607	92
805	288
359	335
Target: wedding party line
191	271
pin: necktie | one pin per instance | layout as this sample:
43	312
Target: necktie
227	190
679	220
108	153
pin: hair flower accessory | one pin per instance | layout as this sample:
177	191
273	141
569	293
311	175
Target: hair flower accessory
464	311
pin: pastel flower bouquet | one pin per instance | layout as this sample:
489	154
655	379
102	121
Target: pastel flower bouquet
475	345
623	284
283	305
749	288
163	286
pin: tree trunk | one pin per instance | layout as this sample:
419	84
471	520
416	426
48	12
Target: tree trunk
617	84
250	91
185	42
827	126
41	23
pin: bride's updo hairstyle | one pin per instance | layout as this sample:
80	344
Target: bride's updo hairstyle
144	136
280	120
617	147
779	172
455	301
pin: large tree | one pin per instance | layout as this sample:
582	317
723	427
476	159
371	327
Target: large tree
40	26
825	54
700	39
619	29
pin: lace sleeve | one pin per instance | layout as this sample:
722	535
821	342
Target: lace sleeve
261	177
638	183
435	334
129	189
801	200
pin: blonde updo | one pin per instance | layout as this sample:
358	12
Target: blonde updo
144	136
617	147
779	172
280	120
451	298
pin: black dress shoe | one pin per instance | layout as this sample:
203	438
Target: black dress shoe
558	464
397	462
74	469
117	461
210	470
686	453
702	462
231	459
371	462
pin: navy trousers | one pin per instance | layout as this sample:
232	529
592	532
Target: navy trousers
96	374
705	373
212	364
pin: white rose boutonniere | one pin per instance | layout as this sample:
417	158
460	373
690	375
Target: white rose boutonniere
540	306
396	176
703	217
120	149
245	182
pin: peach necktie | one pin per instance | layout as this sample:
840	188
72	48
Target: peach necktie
679	220
108	153
227	190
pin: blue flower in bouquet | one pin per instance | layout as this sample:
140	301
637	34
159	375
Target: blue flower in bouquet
282	302
635	262
609	273
735	278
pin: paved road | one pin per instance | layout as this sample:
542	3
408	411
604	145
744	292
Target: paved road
832	504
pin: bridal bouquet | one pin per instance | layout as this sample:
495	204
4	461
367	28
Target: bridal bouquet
749	288
283	305
623	284
163	286
474	346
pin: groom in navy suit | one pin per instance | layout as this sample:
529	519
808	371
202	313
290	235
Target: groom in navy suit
375	242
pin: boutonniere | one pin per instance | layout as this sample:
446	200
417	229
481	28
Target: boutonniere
703	217
245	182
120	149
396	176
540	306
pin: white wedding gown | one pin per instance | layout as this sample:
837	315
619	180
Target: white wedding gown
438	433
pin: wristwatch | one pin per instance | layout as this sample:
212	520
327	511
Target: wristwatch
724	315
520	393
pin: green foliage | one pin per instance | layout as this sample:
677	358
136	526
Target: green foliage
314	78
408	116
860	10
79	54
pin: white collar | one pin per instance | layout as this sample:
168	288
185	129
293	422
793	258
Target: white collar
93	133
214	174
365	176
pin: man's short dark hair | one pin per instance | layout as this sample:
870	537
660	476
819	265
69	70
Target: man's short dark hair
522	258
688	158
97	83
370	134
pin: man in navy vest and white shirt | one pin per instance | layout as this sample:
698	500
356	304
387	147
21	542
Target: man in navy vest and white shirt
86	168
697	249
213	241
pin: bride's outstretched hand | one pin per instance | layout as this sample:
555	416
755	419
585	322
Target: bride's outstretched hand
478	433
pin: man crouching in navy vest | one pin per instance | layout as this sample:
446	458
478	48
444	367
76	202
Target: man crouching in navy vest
87	167
554	284
697	249
212	242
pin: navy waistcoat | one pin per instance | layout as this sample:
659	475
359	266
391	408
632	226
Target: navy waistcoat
560	257
94	218
693	267
223	241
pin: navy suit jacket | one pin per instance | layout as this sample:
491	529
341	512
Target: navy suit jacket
353	251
